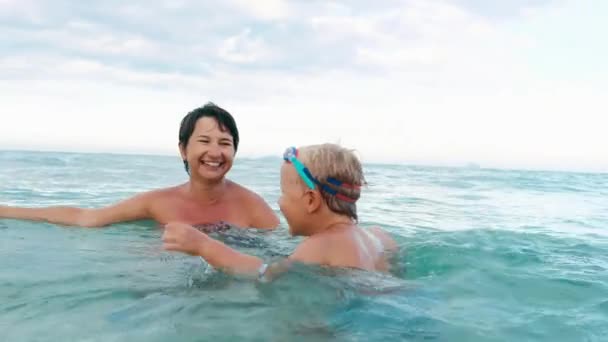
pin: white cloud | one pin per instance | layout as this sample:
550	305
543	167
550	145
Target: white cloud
420	82
84	37
243	48
26	9
263	9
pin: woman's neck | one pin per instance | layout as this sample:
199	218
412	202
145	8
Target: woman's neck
207	192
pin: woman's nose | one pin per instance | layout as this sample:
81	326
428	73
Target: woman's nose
214	150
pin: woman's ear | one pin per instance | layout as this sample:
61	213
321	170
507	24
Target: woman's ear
182	151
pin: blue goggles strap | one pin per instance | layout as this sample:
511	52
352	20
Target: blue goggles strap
322	186
303	171
290	155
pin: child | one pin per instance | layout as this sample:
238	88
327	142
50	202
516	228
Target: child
320	185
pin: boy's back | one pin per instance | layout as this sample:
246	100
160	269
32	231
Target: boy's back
349	246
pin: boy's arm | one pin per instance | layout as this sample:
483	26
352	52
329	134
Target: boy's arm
187	239
232	261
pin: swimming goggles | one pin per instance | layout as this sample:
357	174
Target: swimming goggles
291	156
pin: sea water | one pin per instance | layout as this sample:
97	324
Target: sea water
484	255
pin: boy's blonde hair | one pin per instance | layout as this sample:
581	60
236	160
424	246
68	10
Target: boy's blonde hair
334	161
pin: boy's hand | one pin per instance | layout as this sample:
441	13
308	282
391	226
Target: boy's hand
183	238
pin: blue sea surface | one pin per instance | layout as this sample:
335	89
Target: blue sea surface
485	255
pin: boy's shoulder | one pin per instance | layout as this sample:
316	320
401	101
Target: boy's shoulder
311	250
387	241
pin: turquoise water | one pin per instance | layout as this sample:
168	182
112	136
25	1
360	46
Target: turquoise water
485	255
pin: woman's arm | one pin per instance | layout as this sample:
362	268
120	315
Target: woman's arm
262	215
134	208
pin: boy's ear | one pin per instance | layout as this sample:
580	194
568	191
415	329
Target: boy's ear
314	200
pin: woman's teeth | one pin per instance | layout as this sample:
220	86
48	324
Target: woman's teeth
214	164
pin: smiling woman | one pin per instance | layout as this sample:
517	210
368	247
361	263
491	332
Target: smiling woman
208	141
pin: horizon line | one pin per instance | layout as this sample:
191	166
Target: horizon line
464	165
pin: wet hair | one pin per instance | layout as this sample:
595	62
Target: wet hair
224	119
331	160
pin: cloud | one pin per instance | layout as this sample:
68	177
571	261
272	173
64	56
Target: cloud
26	9
243	48
263	9
502	10
402	81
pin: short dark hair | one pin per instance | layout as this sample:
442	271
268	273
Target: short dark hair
223	118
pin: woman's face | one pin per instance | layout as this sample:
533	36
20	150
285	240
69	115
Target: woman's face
210	150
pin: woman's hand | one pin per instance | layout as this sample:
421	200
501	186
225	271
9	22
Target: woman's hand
184	238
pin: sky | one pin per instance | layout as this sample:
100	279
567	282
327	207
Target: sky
505	84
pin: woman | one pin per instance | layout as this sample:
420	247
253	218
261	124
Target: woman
208	141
